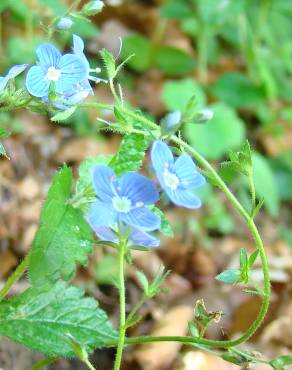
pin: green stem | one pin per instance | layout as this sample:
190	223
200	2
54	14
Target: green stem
138	305
89	365
94	105
14	277
122	329
252	191
43	363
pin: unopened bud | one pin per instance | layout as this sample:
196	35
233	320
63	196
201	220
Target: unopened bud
171	123
92	8
204	116
64	23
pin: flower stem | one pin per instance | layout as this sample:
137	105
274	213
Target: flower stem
122	329
14	277
89	364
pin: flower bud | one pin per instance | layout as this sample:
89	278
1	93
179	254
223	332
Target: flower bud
203	116
171	123
92	8
64	23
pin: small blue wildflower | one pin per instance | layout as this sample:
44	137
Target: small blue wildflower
65	71
136	238
179	177
64	23
123	200
12	73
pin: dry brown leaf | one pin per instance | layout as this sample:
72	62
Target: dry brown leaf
275	330
7	261
197	360
159	356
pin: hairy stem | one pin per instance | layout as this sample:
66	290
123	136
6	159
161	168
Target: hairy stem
14	277
122	329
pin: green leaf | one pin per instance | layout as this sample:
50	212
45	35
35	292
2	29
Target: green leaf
243	259
252	258
177	94
265	184
130	155
225	131
173	61
64	237
281	362
63	115
42	320
143	281
109	63
236	90
175	10
231	276
165	226
141	48
107	270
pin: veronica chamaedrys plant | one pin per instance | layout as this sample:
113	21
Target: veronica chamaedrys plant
53	68
178	177
123	200
12	73
136	238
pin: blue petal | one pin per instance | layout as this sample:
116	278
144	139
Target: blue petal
161	155
187	173
36	83
101	213
138	188
184	198
78	44
48	55
103	177
78	48
73	71
105	233
139	238
142	218
16	70
3	83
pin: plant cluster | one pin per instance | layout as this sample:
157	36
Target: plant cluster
118	204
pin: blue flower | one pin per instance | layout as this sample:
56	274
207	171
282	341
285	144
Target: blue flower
12	73
136	238
65	71
179	177
123	200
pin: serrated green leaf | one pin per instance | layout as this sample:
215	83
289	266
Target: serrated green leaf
63	115
64	237
42	320
130	155
109	62
231	276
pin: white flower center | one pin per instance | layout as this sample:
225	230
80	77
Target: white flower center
170	179
53	74
122	204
